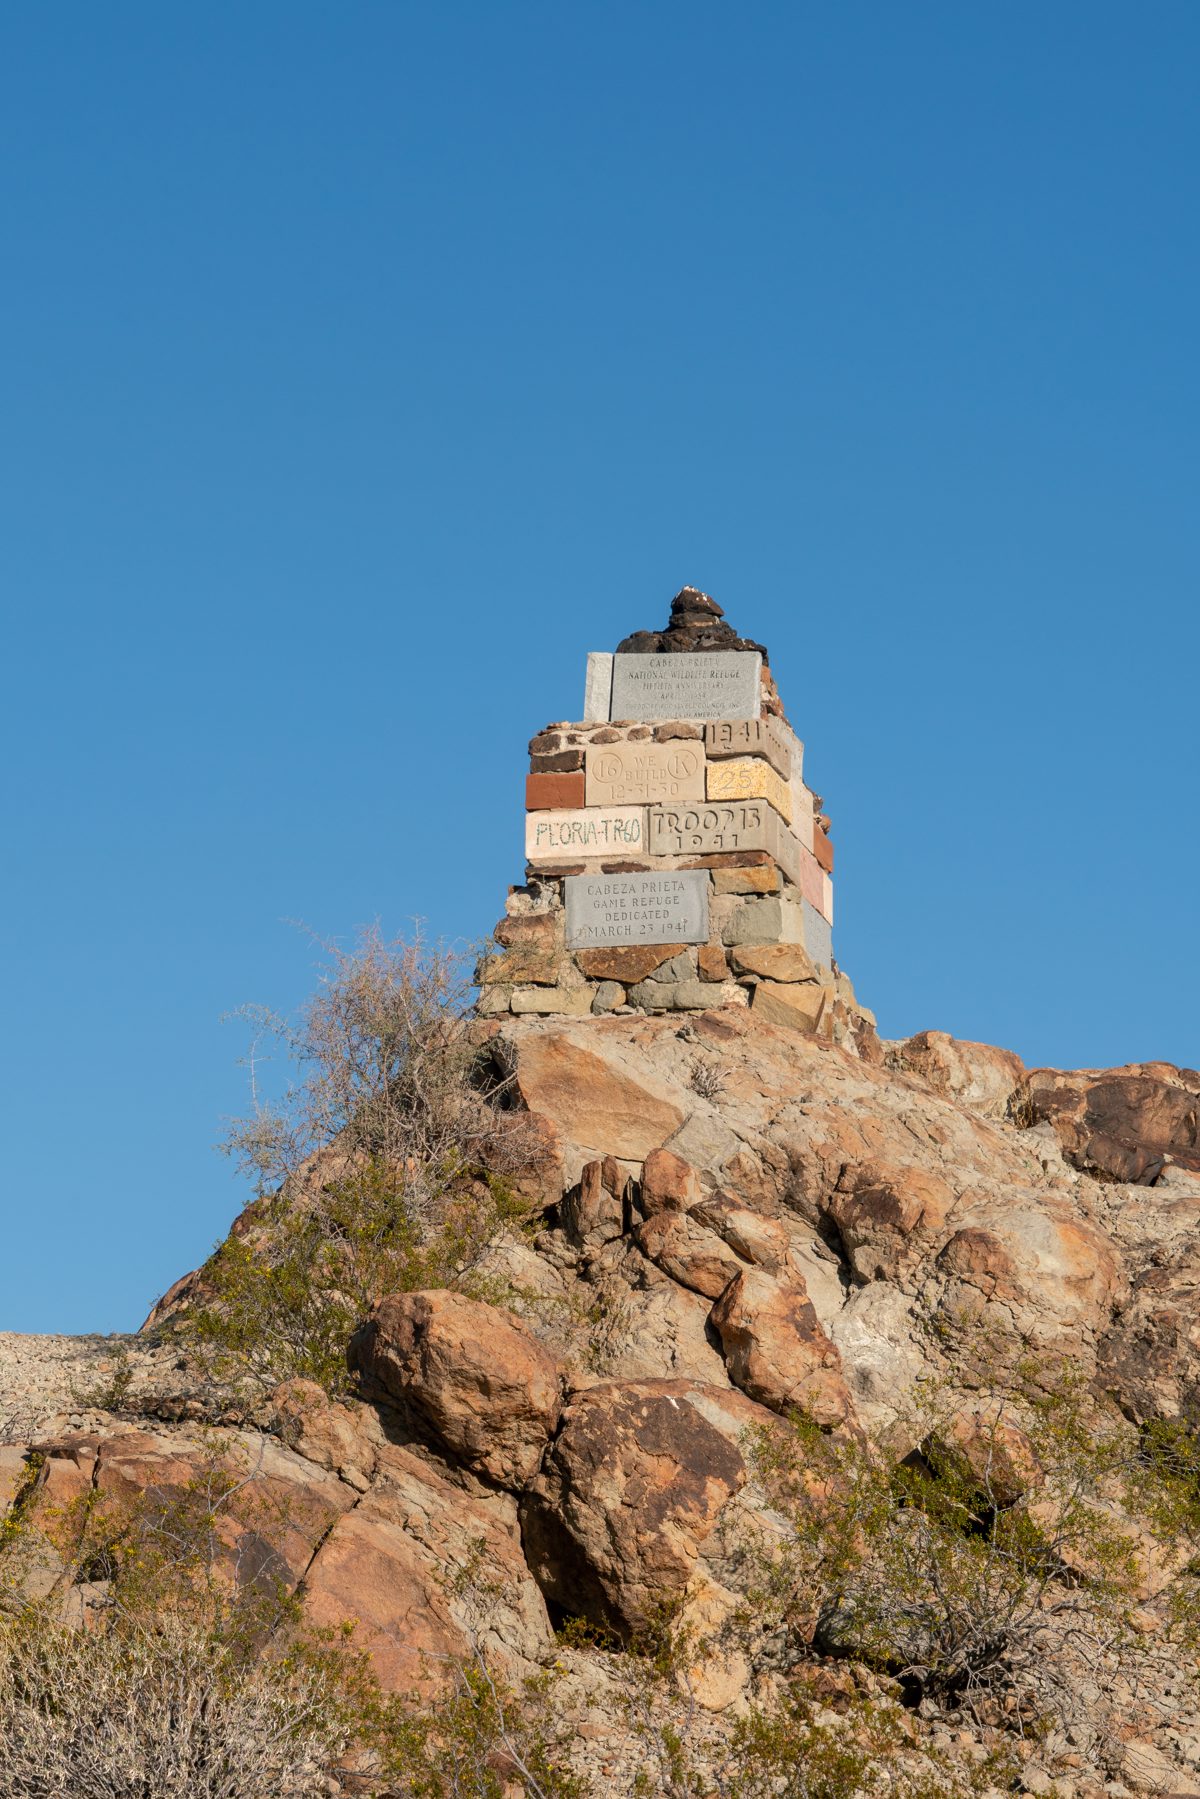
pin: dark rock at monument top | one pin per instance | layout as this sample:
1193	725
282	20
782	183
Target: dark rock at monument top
696	623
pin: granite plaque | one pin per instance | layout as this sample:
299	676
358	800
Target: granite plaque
634	774
749	778
693	684
588	831
637	908
764	737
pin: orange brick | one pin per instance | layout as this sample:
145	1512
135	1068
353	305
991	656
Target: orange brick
545	791
823	849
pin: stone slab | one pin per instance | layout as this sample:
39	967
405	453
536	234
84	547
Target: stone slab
796	1008
711	829
749	778
695	684
664	907
597	689
818	935
764	737
586	831
545	791
638	774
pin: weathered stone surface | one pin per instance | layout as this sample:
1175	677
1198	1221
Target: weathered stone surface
765	737
712	962
608	996
798	1007
632	1487
689	995
573	1002
627	963
543	792
704	684
649	773
774	961
777	920
593	1213
996	1451
756	1239
690	1254
555	762
636	908
1127	1124
531	931
485	1387
592	1102
669	1184
823	850
590	831
749	778
775	1349
597	693
889	1215
817	935
746	880
975	1074
335	1437
709	828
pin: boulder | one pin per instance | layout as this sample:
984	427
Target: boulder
590	1101
669	1184
593	1213
974	1074
690	1254
1124	1124
758	1240
775	1349
473	1374
888	1215
631	1489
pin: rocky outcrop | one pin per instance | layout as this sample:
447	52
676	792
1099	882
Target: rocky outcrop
476	1377
1123	1124
615	1524
775	1349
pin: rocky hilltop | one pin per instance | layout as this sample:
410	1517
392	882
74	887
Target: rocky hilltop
734	1221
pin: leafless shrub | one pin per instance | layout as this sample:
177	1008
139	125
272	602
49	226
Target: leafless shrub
706	1079
383	1064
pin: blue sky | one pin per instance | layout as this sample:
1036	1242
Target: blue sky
364	366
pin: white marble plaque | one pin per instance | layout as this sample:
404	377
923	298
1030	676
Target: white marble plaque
637	908
694	684
587	831
635	774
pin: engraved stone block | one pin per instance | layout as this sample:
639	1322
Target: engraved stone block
704	830
764	737
636	908
597	692
587	831
694	684
750	778
631	774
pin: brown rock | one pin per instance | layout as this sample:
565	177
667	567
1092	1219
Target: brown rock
764	879
331	1435
775	1349
545	791
669	1184
632	1487
712	963
690	1254
1124	1124
555	762
798	1008
531	931
592	1103
593	1213
773	961
627	965
473	1373
996	1451
761	1241
888	1215
823	851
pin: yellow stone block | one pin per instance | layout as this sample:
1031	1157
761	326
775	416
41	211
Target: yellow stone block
749	778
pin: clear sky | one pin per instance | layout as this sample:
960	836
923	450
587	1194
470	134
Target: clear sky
365	365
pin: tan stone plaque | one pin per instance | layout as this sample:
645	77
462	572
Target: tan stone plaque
713	830
637	774
764	737
749	778
587	831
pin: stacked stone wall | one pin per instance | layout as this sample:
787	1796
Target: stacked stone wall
672	863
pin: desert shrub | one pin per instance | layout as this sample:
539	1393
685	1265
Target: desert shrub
384	1166
1016	1600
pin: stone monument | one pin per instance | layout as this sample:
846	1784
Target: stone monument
675	858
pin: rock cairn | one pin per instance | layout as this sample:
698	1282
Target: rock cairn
675	858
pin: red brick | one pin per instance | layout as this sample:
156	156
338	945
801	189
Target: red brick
545	791
823	848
